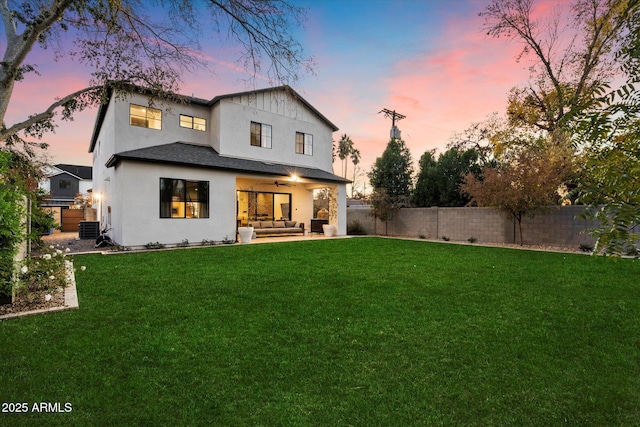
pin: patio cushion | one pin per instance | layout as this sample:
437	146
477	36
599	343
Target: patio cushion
254	224
290	224
266	224
278	224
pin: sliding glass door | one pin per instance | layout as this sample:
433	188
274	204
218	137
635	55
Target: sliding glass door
263	206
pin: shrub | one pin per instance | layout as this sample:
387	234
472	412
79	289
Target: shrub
45	273
41	222
355	228
422	236
184	243
11	220
156	245
586	248
472	239
445	238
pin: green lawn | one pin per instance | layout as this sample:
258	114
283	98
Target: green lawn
362	332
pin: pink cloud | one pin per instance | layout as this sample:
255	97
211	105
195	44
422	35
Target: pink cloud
464	77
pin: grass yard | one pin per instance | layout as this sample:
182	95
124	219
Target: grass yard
364	332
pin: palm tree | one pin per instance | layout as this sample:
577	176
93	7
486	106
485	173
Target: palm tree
355	159
345	148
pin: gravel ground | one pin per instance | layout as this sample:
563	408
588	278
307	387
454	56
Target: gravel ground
71	241
34	301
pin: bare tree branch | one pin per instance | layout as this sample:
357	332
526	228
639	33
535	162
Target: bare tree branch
120	42
566	81
46	115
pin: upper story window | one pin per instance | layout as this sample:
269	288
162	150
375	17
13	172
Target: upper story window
304	143
145	117
64	184
193	122
260	135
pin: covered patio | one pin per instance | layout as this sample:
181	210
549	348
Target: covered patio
287	199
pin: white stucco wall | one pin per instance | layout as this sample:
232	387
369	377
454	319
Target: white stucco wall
341	194
228	128
136	214
102	176
286	117
128	137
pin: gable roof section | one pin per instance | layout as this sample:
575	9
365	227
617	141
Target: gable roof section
80	172
285	88
201	156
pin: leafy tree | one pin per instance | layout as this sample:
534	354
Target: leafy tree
481	137
611	133
567	70
12	193
520	187
439	181
393	170
612	191
426	192
125	42
384	206
391	178
496	138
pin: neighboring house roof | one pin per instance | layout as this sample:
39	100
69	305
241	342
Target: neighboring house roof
80	172
102	111
203	156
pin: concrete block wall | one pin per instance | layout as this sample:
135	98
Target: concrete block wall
557	227
485	224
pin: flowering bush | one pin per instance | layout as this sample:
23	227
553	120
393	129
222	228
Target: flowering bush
45	273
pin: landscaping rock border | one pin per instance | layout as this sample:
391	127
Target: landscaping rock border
61	300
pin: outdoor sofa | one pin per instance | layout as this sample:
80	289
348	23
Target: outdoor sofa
276	228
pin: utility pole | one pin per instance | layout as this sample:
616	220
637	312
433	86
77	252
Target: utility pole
395	132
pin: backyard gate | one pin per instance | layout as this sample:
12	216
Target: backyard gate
71	219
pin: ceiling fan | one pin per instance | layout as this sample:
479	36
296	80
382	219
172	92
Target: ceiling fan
278	184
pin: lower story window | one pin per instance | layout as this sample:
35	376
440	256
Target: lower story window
180	198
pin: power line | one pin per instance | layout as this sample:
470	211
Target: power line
395	132
392	115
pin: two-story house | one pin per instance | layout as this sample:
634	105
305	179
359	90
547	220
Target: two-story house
62	184
195	170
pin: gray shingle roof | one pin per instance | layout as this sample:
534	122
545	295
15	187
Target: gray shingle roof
201	156
82	172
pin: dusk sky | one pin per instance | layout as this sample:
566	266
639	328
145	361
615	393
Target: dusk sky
429	60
